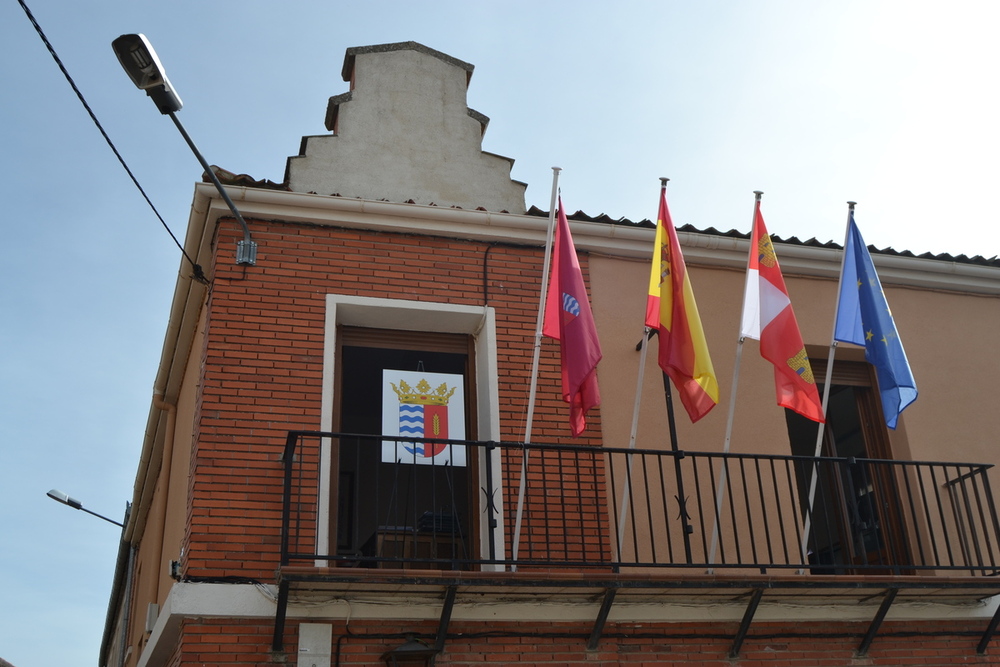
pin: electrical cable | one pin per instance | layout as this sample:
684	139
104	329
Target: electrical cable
199	274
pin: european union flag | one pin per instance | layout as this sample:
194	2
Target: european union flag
864	318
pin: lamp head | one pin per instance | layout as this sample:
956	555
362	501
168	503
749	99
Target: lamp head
63	498
139	61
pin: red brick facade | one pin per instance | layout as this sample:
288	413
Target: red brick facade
263	362
245	644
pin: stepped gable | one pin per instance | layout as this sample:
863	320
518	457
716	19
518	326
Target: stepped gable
403	132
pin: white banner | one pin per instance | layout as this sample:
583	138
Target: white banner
416	404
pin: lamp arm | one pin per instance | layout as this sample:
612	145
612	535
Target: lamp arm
249	244
101	516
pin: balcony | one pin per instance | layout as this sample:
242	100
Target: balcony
362	513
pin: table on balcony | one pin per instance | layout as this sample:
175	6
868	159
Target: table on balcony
410	549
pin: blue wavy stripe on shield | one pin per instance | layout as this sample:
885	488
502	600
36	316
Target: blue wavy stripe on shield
571	305
411	420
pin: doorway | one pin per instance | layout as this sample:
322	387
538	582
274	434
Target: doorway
855	524
403	503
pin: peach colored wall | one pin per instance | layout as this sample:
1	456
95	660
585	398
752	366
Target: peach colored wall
618	290
175	527
950	339
163	536
951	342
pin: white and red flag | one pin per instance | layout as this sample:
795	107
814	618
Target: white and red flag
768	317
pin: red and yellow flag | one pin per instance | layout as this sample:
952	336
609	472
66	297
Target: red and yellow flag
672	311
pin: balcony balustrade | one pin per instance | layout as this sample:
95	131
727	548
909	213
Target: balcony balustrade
375	501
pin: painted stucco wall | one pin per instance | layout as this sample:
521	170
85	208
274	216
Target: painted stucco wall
166	522
405	133
950	340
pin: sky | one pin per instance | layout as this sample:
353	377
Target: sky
893	105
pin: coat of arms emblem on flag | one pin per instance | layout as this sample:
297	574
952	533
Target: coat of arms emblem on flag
416	404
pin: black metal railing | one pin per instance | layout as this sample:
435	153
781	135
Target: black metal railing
380	501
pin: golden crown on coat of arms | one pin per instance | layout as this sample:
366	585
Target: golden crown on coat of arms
423	394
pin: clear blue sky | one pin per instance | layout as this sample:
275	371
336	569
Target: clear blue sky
815	103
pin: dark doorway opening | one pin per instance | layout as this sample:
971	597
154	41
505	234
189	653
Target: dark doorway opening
396	509
855	525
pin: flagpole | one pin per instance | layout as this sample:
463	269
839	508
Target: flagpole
643	347
678	473
821	431
732	394
534	365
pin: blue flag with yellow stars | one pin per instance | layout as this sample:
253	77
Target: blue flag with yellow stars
864	318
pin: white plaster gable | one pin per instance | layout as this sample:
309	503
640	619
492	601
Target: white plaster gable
403	133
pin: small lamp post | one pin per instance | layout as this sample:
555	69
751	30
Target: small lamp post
139	60
413	652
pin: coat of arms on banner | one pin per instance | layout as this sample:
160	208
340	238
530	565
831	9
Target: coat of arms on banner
416	404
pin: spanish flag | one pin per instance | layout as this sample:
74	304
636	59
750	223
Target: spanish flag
672	311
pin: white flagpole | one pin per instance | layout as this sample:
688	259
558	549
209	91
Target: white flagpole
732	394
725	450
644	347
638	389
540	320
631	440
826	397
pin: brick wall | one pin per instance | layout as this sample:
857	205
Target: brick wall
263	362
220	642
235	643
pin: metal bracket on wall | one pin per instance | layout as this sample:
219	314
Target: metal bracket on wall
602	618
876	623
449	606
988	635
278	641
748	615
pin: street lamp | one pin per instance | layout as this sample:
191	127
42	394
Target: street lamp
61	497
139	60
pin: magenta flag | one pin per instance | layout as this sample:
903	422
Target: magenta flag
568	319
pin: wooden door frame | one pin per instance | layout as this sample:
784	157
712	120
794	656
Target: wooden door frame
479	322
857	373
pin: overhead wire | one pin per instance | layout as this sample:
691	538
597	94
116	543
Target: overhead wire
199	273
